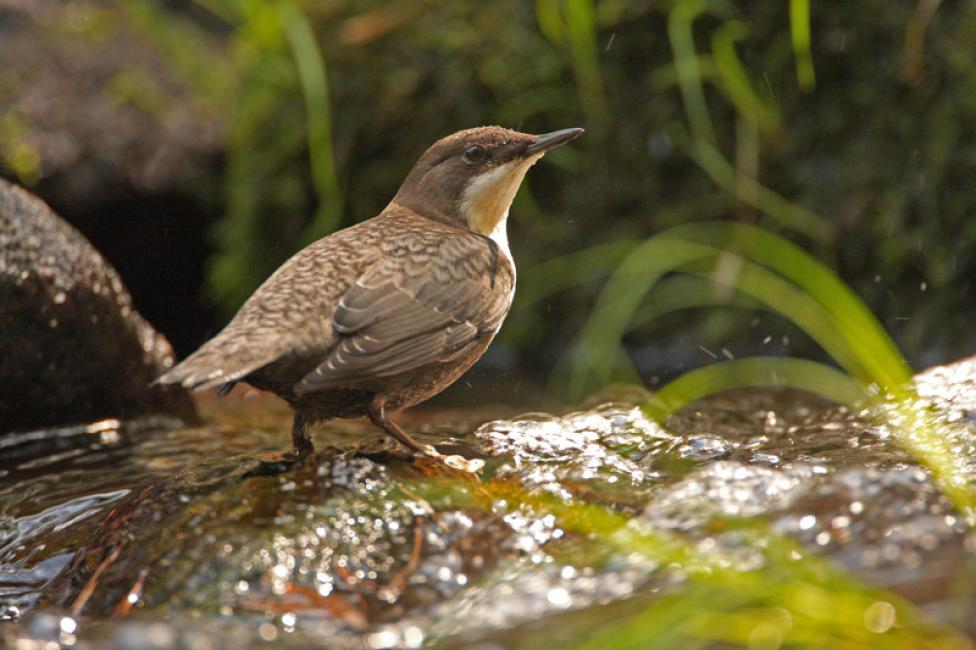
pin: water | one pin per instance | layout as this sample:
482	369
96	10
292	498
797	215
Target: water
145	534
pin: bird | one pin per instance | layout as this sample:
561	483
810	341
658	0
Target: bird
386	313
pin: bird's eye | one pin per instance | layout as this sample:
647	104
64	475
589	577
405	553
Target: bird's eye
474	154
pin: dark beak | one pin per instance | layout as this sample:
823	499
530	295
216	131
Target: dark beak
548	141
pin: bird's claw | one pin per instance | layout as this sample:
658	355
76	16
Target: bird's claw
454	461
276	463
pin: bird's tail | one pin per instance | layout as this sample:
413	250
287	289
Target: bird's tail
212	366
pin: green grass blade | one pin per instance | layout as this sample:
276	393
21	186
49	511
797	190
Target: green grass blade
713	604
789	260
573	269
581	35
679	292
596	352
550	20
805	312
680	21
312	74
735	80
818	378
800	33
782	210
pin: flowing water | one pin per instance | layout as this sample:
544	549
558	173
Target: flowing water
147	534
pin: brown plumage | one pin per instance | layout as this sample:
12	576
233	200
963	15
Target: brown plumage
389	312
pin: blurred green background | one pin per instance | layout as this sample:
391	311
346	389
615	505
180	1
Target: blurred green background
199	144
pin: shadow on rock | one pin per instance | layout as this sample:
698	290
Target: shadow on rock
74	349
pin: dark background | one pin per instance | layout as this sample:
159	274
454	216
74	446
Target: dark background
198	145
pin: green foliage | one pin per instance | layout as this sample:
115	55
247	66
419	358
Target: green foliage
851	131
769	113
269	79
276	146
800	32
696	110
728	263
718	89
17	152
734	264
758	371
311	71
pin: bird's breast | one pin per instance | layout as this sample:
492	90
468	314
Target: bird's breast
499	235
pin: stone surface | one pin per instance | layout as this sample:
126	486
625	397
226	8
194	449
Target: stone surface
73	347
595	522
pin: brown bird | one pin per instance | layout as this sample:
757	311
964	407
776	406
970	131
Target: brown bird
389	312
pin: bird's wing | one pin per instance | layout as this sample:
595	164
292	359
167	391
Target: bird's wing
283	315
211	367
415	309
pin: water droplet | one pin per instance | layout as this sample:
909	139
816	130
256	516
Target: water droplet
879	617
382	639
267	631
559	597
413	637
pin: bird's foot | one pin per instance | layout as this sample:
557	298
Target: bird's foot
378	415
454	461
275	463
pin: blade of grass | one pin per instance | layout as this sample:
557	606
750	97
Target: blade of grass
782	210
800	34
550	20
735	81
573	269
679	292
595	353
805	312
312	74
680	21
581	35
799	267
811	376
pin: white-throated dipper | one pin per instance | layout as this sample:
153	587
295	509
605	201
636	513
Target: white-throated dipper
387	313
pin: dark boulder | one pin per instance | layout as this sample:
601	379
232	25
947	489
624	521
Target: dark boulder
72	347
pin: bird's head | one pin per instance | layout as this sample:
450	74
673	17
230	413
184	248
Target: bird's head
470	178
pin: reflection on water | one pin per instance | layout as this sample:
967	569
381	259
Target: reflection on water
182	537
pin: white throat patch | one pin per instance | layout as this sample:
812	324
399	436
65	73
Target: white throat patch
500	236
487	199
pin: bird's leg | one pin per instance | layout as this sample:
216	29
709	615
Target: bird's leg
377	415
301	435
278	462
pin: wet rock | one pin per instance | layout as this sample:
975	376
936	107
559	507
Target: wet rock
604	450
337	540
340	549
951	388
578	522
722	489
73	349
